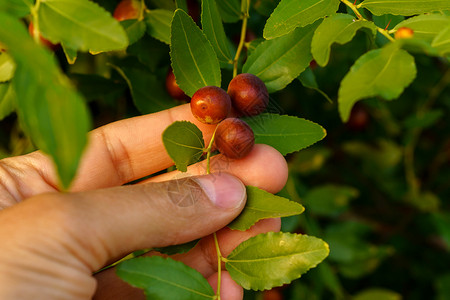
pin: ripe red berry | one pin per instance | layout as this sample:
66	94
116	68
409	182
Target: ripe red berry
210	104
43	40
173	89
248	94
404	33
234	138
126	10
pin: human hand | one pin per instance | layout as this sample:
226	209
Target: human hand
52	242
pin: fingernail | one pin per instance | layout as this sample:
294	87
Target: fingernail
224	190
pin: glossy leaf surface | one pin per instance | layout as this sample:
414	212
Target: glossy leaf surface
291	14
273	259
194	61
279	61
184	143
340	29
404	7
382	72
285	133
263	205
80	25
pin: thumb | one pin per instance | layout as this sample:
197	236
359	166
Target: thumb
101	225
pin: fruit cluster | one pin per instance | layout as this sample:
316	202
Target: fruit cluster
248	95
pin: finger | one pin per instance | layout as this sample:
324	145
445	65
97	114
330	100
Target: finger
264	167
101	225
123	151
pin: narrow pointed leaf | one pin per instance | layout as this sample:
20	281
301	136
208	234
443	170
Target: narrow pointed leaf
184	143
194	61
285	133
53	114
158	24
263	205
273	259
291	14
165	278
340	29
71	54
230	10
279	61
80	25
425	27
404	7
381	72
213	29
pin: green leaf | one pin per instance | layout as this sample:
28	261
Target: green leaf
230	10
177	249
164	4
71	54
285	133
404	7
184	143
308	80
279	61
7	100
158	24
377	294
181	4
263	205
140	81
381	72
442	41
165	278
53	114
329	200
213	29
425	27
273	259
135	29
423	120
6	67
291	14
80	25
194	61
16	8
339	28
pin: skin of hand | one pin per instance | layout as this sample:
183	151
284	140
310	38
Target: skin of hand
52	241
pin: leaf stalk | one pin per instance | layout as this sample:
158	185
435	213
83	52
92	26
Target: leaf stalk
245	16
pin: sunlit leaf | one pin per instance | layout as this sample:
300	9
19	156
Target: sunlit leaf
158	24
262	205
285	133
273	259
7	67
404	7
291	14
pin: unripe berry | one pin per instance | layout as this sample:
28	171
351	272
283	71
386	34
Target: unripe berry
126	10
234	138
404	33
210	104
173	89
43	40
248	94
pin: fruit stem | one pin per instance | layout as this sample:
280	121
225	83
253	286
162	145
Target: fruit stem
245	16
208	152
219	266
34	16
354	8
